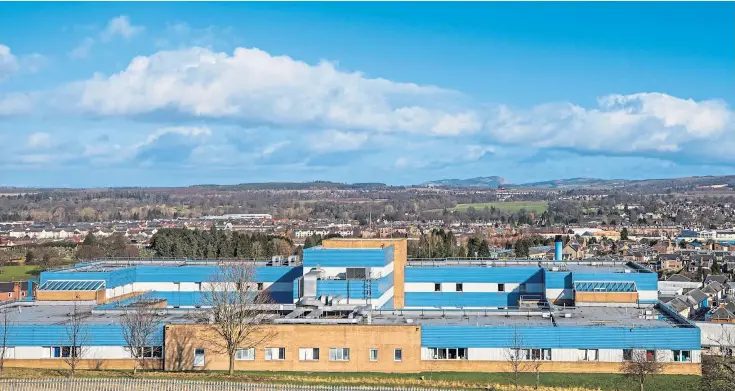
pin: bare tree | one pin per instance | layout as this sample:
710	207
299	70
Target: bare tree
236	309
536	364
180	344
5	323
718	370
139	326
76	345
515	357
641	366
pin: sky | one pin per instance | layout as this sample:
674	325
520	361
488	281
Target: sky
176	94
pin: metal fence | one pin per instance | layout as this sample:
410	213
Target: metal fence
128	384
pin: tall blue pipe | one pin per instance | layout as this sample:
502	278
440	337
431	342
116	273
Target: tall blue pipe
558	256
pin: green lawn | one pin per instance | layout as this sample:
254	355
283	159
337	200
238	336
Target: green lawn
18	273
508	206
444	380
594	381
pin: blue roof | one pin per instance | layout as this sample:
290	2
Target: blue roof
72	285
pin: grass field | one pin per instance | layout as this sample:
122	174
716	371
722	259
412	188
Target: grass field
18	273
447	380
508	206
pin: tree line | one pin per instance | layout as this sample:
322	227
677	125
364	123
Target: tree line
215	243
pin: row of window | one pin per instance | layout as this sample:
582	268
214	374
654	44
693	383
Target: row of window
545	354
305	354
76	351
199	286
459	287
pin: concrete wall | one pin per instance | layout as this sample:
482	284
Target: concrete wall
605	297
98	296
181	340
400	256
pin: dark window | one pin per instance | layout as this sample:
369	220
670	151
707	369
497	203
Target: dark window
627	354
501	287
650	355
260	286
437	287
459	287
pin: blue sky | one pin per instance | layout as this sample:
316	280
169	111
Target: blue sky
164	94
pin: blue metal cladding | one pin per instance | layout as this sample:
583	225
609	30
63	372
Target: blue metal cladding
356	287
558	280
475	274
558	253
462	299
56	335
192	298
144	273
339	257
659	338
643	281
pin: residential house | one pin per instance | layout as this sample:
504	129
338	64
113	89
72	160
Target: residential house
15	290
670	262
573	251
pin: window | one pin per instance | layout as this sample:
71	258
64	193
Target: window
588	354
199	357
273	354
437	287
65	351
10	294
398	355
538	354
650	355
459	287
150	352
501	287
260	286
9	352
682	355
246	354
199	286
339	354
373	354
309	354
522	288
627	354
448	353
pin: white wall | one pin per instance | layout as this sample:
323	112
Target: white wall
91	352
471	287
561	355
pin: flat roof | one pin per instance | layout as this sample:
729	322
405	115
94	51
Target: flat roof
103	265
55	313
581	266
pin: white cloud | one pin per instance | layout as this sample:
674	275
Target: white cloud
83	49
271	148
8	63
120	26
116	27
39	140
638	123
252	85
186	131
337	141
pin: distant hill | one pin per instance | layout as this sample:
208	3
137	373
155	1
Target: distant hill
293	186
488	181
576	182
687	183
